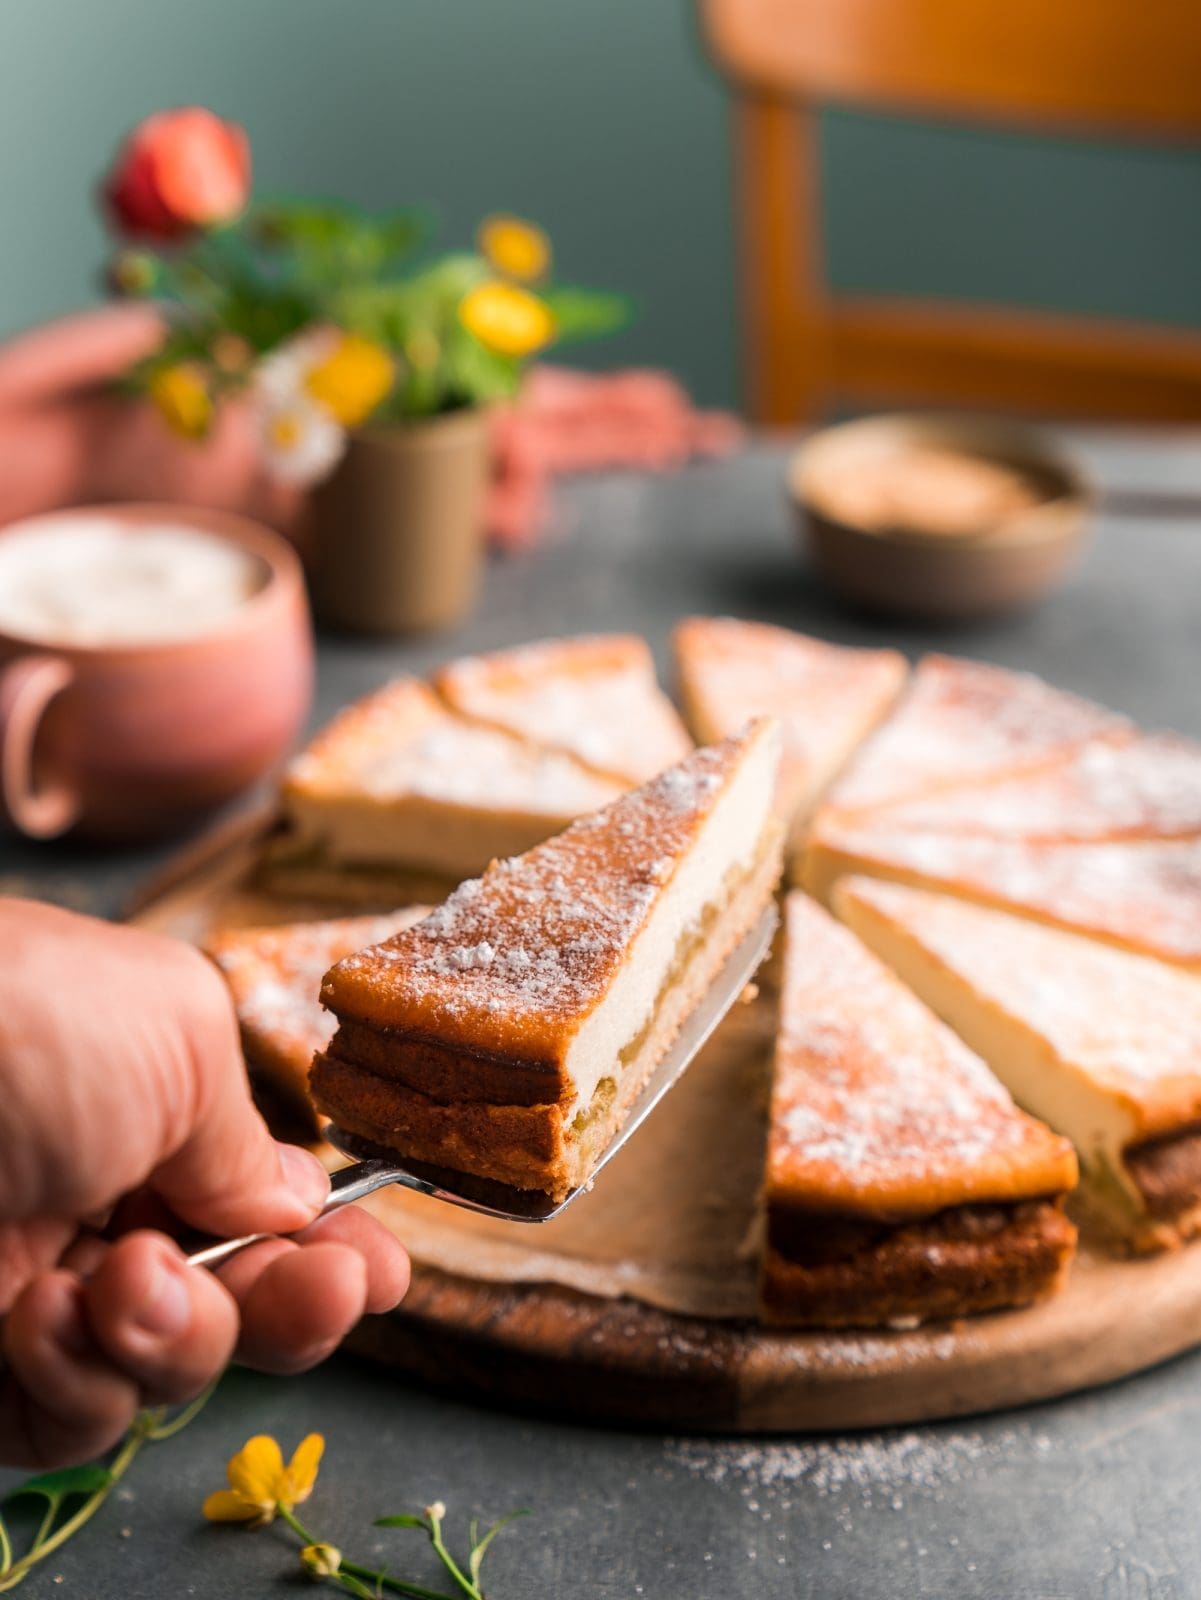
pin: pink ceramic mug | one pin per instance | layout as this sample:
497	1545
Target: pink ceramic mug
127	740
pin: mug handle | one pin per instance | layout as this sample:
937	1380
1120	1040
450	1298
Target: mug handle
27	686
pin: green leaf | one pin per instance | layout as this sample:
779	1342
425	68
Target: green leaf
480	1549
63	1484
587	313
402	1520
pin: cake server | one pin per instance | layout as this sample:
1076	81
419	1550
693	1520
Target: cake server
373	1166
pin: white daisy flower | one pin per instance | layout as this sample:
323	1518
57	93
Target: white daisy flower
301	441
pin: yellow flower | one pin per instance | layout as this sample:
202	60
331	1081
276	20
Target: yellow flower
516	248
260	1484
509	320
352	380
183	400
321	1560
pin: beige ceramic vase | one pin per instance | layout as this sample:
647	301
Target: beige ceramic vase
398	528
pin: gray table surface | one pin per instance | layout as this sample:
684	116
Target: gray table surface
1097	1495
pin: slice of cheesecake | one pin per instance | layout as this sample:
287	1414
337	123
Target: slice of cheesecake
398	799
1105	1045
962	721
508	1034
1142	895
595	698
1147	786
827	698
274	976
902	1182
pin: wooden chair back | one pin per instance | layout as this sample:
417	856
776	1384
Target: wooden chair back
1078	66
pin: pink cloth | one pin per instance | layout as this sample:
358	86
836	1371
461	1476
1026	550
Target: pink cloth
566	421
67	438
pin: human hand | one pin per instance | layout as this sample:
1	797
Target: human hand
124	1110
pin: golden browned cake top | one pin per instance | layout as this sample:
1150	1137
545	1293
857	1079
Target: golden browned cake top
1148	786
274	974
1141	892
1130	1023
878	1109
960	721
730	670
594	697
515	961
402	741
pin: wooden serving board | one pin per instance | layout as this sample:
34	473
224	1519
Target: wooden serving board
546	1345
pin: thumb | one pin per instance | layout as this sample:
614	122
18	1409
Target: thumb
228	1175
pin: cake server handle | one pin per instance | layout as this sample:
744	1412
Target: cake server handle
346	1185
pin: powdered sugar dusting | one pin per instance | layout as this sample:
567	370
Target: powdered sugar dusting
819	691
1146	892
1146	786
594	697
275	974
964	720
1129	1021
872	1093
402	741
540	935
867	1467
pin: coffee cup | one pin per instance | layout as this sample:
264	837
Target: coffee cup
155	661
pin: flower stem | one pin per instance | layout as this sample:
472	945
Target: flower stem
356	1569
165	1430
449	1562
20	1570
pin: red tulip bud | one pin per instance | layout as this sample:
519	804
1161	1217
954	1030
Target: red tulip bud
178	171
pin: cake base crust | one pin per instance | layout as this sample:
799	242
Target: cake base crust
827	1272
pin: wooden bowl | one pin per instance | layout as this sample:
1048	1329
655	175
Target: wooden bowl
941	570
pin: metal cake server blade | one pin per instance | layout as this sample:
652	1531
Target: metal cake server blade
374	1166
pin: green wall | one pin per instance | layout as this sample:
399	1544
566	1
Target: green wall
600	118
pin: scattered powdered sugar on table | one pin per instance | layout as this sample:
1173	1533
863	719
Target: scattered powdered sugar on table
869	1467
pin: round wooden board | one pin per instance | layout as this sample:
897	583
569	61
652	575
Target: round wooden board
542	1347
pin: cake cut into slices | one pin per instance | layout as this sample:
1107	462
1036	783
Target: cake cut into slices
508	1033
963	721
827	698
596	698
1102	1044
1147	786
274	976
902	1182
1142	895
399	798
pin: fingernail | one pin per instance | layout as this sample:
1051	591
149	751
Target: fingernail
304	1175
167	1309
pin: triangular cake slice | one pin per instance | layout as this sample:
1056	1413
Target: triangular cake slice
1144	787
902	1182
963	721
274	976
596	698
1105	1045
1142	895
399	798
826	697
508	1034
